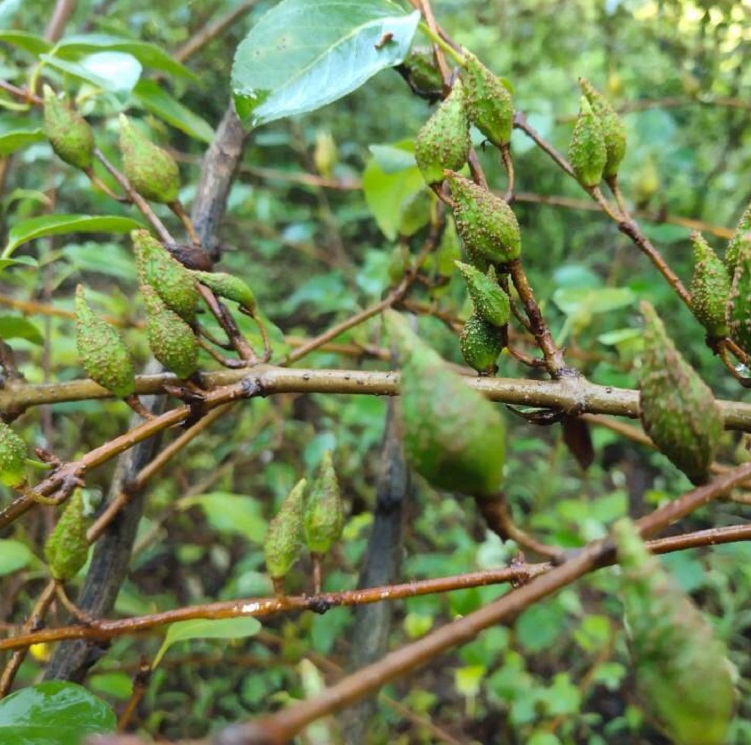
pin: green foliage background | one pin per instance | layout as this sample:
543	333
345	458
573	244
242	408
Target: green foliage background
314	256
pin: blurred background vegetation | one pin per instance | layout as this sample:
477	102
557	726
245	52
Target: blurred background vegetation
300	230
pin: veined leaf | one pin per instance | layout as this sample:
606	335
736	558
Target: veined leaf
304	54
162	104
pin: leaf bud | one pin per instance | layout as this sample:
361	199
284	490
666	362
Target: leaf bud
481	343
739	236
489	104
228	286
323	518
710	288
12	457
284	535
738	308
613	129
67	548
490	301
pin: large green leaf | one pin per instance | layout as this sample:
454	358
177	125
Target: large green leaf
25	40
231	513
304	54
38	227
163	105
17	327
147	54
208	628
12	141
53	713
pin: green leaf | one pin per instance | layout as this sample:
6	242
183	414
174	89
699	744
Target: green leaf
208	628
232	513
576	302
160	103
304	54
53	713
17	327
77	71
106	258
25	40
12	141
38	227
120	69
14	555
389	189
149	55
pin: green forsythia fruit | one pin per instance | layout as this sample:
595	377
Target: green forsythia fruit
738	308
284	536
173	283
152	172
682	670
587	151
102	350
12	457
443	141
490	301
66	549
481	343
677	408
489	104
485	222
739	236
323	518
171	339
228	286
710	288
453	436
613	129
69	133
422	72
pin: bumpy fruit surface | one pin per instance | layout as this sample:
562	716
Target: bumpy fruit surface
323	518
481	343
587	151
453	436
69	133
66	549
102	350
613	129
739	236
171	339
489	104
682	670
12	457
738	309
152	172
173	283
677	408
443	141
284	536
228	286
485	222
710	288
490	301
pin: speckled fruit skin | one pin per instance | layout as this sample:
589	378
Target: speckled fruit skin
228	286
710	288
677	408
70	135
453	436
490	301
175	285
284	536
489	104
67	548
171	339
586	151
738	308
485	222
152	172
323	516
12	457
443	141
480	344
613	128
102	350
682	671
739	236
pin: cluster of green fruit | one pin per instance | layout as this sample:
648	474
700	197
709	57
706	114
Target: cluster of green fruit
721	291
314	517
